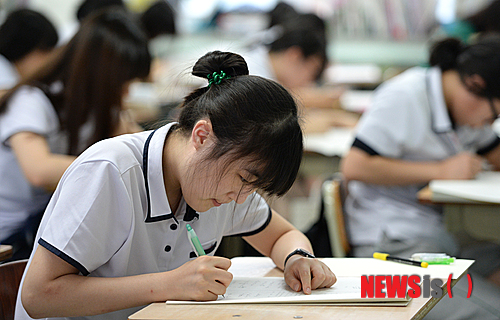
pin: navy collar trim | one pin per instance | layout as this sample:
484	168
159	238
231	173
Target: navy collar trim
145	155
190	213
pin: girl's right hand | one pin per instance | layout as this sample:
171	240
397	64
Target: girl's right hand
464	165
202	279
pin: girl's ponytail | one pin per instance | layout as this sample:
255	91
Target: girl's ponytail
444	54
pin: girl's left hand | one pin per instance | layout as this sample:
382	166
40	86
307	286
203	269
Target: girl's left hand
307	274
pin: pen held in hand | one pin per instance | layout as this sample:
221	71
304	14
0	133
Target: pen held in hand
195	241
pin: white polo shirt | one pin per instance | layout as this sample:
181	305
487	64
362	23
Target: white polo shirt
9	76
110	216
408	120
29	109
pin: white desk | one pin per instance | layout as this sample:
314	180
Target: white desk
259	267
470	206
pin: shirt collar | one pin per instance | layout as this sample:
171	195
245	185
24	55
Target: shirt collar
441	121
158	206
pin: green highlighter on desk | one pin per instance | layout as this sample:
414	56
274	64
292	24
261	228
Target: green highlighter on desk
433	258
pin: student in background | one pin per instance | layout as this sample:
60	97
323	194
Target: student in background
48	119
425	124
128	230
293	52
26	39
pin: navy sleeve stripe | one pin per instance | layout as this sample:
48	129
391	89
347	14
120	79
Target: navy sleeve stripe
363	146
63	256
489	147
246	234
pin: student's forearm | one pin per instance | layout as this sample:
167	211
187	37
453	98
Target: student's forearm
40	166
286	244
278	239
49	173
386	171
76	295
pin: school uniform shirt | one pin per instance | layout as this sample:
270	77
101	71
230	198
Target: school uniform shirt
110	216
9	76
29	110
408	120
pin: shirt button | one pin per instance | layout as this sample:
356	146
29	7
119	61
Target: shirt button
168	248
173	226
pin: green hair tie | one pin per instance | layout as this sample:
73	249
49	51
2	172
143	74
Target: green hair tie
216	78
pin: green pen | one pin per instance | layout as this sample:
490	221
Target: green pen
439	260
195	241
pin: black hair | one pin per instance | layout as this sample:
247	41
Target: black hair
305	31
23	32
250	116
159	19
282	12
89	6
481	58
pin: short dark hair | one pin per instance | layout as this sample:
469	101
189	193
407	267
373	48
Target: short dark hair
24	31
159	19
481	58
251	116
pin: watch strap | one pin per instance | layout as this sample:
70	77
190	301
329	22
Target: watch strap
301	252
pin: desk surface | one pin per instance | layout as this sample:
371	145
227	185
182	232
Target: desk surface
483	190
416	309
5	251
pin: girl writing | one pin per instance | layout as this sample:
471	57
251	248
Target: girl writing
113	237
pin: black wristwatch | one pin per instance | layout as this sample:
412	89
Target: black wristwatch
300	251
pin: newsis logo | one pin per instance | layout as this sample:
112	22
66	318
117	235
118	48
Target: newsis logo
399	286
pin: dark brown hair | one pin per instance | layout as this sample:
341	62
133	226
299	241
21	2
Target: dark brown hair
109	50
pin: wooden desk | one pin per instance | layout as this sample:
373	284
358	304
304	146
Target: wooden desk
481	220
5	251
416	309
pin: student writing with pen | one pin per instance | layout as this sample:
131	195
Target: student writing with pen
122	242
426	124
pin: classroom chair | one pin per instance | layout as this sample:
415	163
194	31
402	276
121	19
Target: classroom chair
334	191
10	279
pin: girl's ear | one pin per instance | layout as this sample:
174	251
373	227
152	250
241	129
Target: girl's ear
202	131
475	83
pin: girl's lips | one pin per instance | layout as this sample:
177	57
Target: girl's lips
216	203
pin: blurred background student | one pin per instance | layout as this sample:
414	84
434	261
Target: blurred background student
49	118
293	52
427	124
26	40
